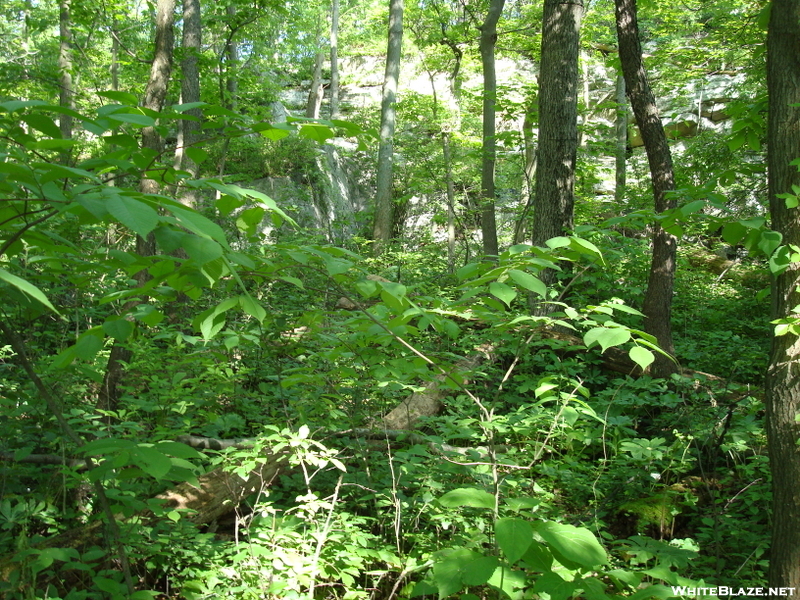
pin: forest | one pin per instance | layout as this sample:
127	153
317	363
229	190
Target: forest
381	300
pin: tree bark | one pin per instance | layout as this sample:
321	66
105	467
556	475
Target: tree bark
488	193
621	130
314	102
783	375
384	208
155	94
554	198
189	131
334	59
66	92
658	298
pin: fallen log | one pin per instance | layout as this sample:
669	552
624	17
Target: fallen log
428	402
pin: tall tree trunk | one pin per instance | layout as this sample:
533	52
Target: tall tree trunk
658	298
189	131
231	53
316	92
334	59
554	196
66	93
783	375
529	170
488	41
621	130
384	209
154	96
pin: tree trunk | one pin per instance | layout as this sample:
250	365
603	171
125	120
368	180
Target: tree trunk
783	375
529	169
384	218
658	298
189	131
488	42
621	130
554	198
334	59
155	94
66	92
231	56
314	101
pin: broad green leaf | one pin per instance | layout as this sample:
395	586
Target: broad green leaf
188	106
528	281
42	123
509	581
88	345
460	568
105	446
554	586
200	249
293	280
316	131
585	247
251	307
27	288
125	98
606	337
151	461
538	557
119	329
514	536
770	241
692	207
134	214
133	118
472	497
576	544
197	223
198	155
557	242
178	450
733	233
502	292
641	356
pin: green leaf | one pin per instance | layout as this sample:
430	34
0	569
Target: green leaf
252	308
151	461
554	586
641	356
606	337
119	329
42	123
557	242
198	155
88	345
538	557
460	568
197	223
27	288
770	241
134	214
472	497
576	544
133	118
733	233
508	581
125	98
528	281
316	131
502	292
200	249
514	536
